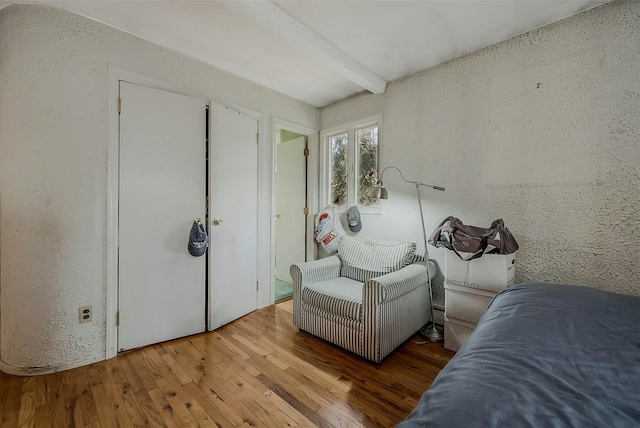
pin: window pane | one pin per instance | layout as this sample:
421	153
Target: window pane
368	163
339	145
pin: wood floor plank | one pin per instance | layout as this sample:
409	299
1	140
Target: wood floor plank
134	375
129	396
103	407
136	364
251	395
109	371
253	345
170	384
26	417
280	419
176	399
42	400
164	408
336	410
10	397
309	413
176	368
72	381
250	417
152	412
283	381
215	379
258	371
328	380
86	403
138	387
208	405
180	360
230	349
41	390
199	414
216	393
298	418
194	359
57	411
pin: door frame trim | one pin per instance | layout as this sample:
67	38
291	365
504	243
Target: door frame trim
312	191
114	75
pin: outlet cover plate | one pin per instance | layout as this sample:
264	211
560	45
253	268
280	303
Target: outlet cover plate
85	314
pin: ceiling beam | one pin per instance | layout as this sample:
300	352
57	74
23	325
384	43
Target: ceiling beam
292	31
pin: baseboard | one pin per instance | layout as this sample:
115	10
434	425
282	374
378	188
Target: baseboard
53	368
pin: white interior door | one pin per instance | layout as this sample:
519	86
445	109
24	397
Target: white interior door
161	292
290	203
233	214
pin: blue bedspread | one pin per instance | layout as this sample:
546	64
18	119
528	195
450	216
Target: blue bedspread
543	355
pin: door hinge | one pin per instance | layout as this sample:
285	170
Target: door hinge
257	285
257	138
118	319
306	210
306	152
119	105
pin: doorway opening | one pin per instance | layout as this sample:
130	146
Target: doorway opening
291	204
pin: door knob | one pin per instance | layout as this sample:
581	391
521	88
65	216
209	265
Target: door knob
217	222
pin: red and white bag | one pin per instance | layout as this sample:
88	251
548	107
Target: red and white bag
326	233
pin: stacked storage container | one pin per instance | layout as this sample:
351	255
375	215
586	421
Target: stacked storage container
469	286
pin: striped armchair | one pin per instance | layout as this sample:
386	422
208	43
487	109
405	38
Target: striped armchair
368	299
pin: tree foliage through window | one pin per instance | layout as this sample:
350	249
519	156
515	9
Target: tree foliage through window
368	163
352	163
339	146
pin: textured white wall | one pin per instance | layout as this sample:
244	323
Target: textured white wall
542	130
53	154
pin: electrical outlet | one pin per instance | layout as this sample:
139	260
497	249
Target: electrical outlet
85	314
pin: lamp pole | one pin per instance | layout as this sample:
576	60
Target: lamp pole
429	331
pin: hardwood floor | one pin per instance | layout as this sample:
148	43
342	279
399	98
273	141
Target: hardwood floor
257	371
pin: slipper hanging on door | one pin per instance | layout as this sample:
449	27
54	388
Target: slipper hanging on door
198	239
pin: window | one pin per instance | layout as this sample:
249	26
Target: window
350	154
339	191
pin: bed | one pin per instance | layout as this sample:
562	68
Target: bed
542	355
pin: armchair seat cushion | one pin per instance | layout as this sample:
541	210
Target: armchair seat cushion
340	296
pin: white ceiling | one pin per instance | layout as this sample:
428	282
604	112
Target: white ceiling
321	51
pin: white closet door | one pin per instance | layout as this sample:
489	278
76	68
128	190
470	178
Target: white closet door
233	252
161	292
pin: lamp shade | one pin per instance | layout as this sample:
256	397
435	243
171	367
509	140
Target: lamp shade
378	191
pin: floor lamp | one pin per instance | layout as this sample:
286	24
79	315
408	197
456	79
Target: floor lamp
378	191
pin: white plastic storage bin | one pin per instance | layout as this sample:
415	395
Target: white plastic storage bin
492	272
465	304
456	333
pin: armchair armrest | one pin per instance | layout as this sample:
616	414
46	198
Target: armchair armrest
395	306
395	284
309	273
315	271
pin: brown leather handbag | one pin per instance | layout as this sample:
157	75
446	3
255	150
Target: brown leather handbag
458	237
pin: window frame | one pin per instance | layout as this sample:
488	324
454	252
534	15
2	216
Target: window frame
352	164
